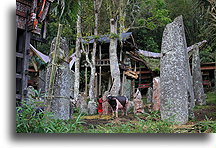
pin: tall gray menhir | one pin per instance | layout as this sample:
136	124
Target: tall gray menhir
63	84
197	78
175	78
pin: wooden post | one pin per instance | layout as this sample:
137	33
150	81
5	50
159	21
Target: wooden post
133	83
100	71
121	55
139	75
123	79
123	83
27	37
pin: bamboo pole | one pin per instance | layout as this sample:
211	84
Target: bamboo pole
53	68
135	69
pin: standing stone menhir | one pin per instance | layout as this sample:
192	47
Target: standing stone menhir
156	94
63	84
197	78
174	74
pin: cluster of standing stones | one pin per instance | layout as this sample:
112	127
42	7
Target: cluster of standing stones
174	93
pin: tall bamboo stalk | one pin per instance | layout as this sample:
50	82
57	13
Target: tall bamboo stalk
53	68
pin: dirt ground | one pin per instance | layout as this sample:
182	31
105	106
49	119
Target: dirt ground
209	112
200	115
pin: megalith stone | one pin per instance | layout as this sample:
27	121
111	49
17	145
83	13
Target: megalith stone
82	103
199	94
138	103
63	83
35	100
191	100
127	86
156	94
105	104
92	107
174	74
149	95
42	80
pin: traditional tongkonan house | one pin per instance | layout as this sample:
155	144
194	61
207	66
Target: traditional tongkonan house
135	71
30	25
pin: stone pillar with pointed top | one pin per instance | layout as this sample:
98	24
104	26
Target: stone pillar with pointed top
156	94
174	74
149	95
138	103
197	78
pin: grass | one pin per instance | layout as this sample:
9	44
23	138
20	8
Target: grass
28	121
210	101
211	98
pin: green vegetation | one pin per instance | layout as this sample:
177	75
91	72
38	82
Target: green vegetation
30	119
211	99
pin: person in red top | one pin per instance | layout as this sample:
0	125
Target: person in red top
100	101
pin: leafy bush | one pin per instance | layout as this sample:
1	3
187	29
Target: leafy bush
32	120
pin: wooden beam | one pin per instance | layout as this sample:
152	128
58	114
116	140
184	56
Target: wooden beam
21	13
18	76
208	68
142	72
19	55
39	39
145	77
24	2
200	44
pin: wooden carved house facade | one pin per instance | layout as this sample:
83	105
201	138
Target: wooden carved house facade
30	25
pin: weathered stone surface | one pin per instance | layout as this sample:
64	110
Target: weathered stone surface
82	103
174	73
199	94
149	95
34	99
130	107
105	104
191	100
63	85
92	107
156	94
127	86
42	80
138	103
30	95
